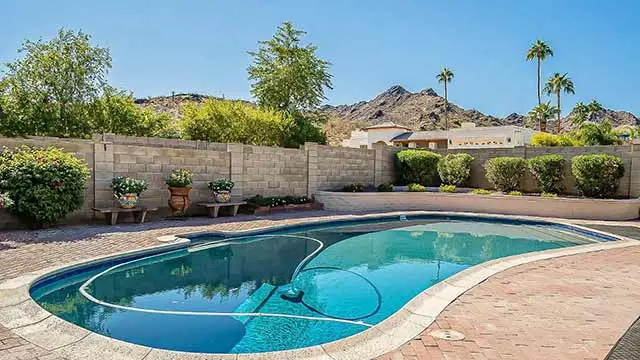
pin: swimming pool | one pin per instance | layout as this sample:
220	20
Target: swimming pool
286	289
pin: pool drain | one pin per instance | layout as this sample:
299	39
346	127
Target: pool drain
450	335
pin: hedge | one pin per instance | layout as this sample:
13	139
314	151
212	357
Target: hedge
455	169
549	171
417	166
597	175
505	173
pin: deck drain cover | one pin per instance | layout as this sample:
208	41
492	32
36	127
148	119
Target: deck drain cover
450	335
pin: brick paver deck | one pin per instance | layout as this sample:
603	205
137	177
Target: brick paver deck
575	307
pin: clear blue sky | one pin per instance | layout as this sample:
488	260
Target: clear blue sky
200	46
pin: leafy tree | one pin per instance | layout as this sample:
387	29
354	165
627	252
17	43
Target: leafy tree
539	51
592	133
305	127
235	122
286	74
543	113
445	76
584	112
555	85
49	89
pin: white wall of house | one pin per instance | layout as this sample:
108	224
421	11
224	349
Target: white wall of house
358	139
383	135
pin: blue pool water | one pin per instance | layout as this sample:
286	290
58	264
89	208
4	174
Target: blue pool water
350	276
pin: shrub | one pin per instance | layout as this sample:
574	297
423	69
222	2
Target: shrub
124	185
5	201
221	185
357	187
180	178
44	184
505	173
235	122
447	188
481	192
386	187
417	166
546	139
597	175
416	188
273	201
514	193
455	169
549	171
548	195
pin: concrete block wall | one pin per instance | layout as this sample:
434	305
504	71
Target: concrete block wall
338	166
272	171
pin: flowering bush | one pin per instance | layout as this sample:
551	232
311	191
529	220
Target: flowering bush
180	178
357	187
447	188
45	184
274	201
221	185
416	188
124	185
5	201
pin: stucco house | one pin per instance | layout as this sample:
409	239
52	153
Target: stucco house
468	136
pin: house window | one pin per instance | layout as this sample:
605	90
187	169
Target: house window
508	139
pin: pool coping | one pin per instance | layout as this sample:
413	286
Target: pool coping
20	313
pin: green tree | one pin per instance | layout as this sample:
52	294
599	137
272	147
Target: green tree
584	112
555	85
539	51
445	76
48	91
287	75
592	133
543	113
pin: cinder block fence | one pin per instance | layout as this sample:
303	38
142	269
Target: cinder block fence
269	171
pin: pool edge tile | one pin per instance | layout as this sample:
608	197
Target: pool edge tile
110	349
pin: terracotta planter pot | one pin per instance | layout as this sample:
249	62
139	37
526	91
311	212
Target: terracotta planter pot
179	200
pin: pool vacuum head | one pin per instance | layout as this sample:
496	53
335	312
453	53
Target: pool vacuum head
292	295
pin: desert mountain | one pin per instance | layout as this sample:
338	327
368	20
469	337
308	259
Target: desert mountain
424	110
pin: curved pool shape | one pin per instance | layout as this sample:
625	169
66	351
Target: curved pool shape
286	289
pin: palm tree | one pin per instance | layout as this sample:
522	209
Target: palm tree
543	113
445	76
555	85
539	50
584	112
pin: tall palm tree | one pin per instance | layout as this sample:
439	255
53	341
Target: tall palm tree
555	85
543	113
445	76
539	50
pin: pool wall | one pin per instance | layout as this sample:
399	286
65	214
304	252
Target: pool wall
568	208
26	318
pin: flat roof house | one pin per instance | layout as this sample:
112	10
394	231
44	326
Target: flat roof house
375	134
468	136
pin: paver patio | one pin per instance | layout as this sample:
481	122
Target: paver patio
575	307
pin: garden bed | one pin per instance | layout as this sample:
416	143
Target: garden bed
266	210
561	207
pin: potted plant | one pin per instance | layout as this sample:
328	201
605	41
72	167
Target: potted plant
221	190
127	190
179	183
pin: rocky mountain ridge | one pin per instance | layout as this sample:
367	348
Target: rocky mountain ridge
423	110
